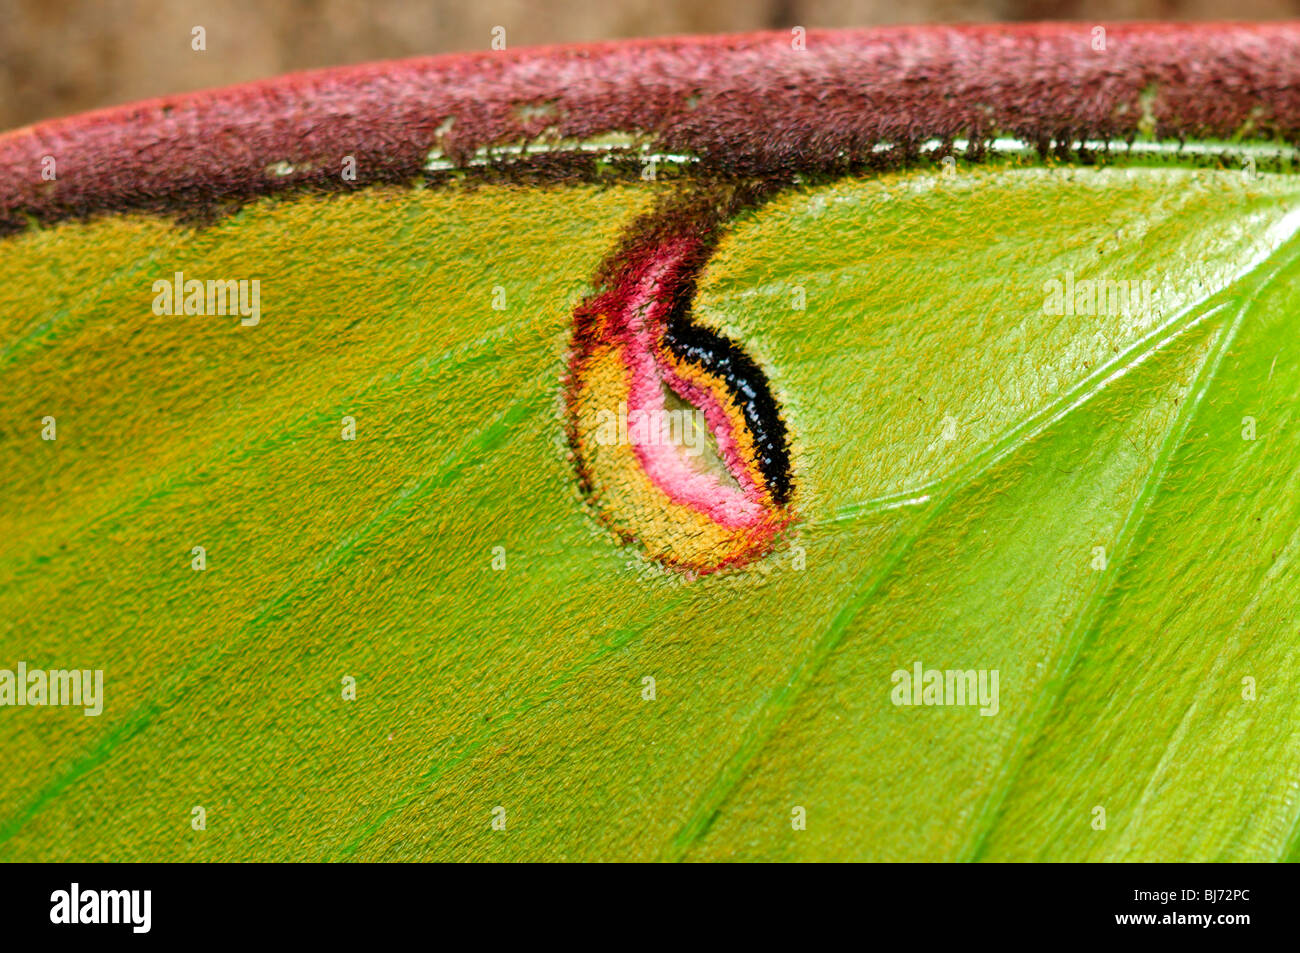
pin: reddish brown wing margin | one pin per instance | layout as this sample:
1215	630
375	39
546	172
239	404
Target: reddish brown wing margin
744	105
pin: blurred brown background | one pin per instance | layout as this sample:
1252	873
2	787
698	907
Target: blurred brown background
63	56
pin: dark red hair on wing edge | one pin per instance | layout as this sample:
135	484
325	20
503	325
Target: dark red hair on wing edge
747	105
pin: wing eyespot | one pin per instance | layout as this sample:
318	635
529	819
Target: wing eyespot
633	344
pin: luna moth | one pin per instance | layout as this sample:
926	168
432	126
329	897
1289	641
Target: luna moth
984	548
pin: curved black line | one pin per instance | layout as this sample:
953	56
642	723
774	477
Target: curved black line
747	383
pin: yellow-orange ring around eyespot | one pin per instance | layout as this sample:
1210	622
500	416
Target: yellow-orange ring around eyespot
629	501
